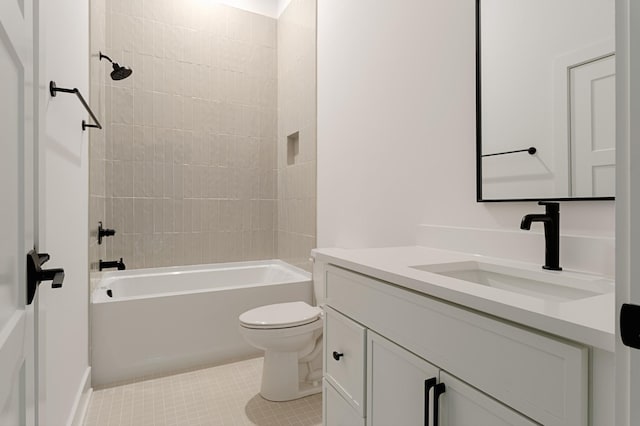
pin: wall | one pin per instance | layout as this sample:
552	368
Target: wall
396	127
65	236
297	132
190	149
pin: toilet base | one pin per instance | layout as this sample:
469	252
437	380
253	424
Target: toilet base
278	384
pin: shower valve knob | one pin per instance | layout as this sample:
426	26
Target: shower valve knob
104	232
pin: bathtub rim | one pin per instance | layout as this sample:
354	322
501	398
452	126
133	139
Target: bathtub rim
98	295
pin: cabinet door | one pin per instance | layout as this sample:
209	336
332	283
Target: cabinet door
395	384
344	359
462	405
337	411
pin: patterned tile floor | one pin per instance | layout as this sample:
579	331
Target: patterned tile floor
222	395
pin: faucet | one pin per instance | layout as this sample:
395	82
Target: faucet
551	220
112	264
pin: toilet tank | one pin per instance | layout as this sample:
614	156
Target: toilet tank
319	277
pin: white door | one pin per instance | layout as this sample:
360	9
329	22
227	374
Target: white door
396	390
593	120
627	203
17	379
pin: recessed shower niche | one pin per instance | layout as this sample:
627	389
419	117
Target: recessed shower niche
194	164
293	148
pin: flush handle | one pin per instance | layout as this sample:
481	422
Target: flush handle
337	355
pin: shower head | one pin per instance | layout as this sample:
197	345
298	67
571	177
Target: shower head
119	72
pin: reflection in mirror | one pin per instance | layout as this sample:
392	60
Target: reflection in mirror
546	80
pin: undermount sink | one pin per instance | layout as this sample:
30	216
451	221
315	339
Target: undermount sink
550	286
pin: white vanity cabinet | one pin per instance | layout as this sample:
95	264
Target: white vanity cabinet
492	372
405	390
398	384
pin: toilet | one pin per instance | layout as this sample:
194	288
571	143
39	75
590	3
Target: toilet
290	334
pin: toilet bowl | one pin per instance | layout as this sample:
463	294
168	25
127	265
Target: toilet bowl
291	336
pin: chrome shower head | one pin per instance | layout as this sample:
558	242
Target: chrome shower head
119	72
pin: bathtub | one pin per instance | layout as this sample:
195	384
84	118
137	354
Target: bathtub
157	321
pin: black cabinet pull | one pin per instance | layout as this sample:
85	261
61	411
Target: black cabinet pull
337	355
428	384
439	390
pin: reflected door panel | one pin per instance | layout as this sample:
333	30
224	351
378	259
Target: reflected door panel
593	123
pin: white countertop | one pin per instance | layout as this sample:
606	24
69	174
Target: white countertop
589	321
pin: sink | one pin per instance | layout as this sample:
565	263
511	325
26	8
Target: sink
550	286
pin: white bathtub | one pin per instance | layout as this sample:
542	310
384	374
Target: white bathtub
162	320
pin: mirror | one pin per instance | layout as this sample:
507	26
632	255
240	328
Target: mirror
545	99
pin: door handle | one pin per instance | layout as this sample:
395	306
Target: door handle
428	384
35	274
630	325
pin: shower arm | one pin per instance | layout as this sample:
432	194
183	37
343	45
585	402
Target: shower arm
105	57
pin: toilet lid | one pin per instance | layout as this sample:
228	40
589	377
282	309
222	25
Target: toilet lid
280	315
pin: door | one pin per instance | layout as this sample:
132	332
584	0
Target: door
396	389
627	203
593	117
17	368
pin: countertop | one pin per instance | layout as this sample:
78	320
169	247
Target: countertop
589	321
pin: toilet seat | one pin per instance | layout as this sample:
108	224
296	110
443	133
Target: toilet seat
280	315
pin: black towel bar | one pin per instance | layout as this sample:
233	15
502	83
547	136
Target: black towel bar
53	89
531	150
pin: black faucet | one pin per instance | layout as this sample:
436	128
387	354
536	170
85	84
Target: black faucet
551	220
112	264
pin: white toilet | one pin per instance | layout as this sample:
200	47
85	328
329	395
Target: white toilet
291	336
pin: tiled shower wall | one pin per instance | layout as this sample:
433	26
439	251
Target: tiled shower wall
297	132
190	170
186	168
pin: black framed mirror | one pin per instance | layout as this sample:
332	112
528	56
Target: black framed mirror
545	100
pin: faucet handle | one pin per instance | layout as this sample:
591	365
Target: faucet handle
550	206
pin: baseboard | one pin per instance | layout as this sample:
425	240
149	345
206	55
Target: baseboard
81	403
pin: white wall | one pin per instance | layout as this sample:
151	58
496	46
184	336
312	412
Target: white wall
282	5
65	234
396	127
269	8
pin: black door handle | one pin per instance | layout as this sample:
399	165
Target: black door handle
35	274
439	390
337	355
428	384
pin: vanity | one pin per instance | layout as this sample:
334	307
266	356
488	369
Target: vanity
420	336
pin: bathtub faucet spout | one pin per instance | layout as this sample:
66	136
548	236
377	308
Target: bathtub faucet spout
112	264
